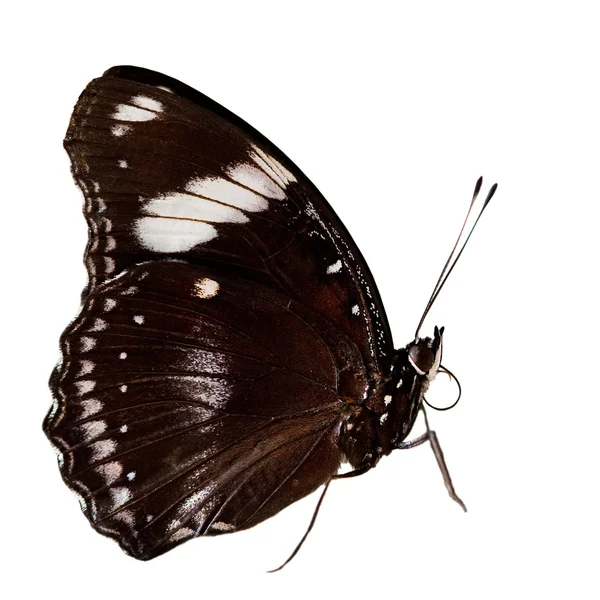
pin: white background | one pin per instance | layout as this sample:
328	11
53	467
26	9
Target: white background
393	110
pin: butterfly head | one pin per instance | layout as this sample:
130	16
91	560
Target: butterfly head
425	354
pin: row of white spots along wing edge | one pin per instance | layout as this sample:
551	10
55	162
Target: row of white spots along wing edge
112	471
91	430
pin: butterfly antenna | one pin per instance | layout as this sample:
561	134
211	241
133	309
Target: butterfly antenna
452	260
310	526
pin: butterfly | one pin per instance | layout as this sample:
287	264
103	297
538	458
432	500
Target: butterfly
232	350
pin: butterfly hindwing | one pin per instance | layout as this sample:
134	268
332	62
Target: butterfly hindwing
171	421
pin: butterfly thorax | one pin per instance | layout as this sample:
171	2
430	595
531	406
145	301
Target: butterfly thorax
386	417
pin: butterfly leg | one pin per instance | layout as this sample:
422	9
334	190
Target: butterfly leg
354	473
310	526
431	436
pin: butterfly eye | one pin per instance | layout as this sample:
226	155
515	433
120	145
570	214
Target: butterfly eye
421	357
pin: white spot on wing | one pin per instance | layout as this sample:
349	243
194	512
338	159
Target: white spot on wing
90	407
87	343
143	109
336	267
105	225
273	167
355	310
256	179
109	264
85	386
383	418
172	235
92	429
220	526
126	516
120	130
85	367
227	192
123	164
206	288
110	471
123	429
131	475
123	388
139	319
387	399
147	103
120	496
178	221
109	304
123	355
99	325
186	206
102	449
181	534
111	244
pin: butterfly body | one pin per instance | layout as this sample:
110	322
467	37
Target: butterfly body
384	418
232	350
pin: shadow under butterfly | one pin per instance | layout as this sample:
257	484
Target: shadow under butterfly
232	350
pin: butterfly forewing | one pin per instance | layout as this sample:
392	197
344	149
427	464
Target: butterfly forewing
171	175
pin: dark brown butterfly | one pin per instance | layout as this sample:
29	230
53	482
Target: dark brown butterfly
232	350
